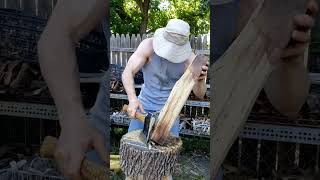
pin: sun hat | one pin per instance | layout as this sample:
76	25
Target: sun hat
172	42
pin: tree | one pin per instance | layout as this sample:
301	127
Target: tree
145	16
144	8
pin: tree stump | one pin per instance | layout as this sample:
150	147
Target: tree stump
148	160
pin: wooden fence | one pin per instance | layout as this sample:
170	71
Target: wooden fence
42	8
122	46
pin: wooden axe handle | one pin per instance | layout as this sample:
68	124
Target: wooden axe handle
138	115
89	170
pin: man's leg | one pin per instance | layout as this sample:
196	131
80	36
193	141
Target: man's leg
98	117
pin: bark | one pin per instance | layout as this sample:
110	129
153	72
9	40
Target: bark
144	6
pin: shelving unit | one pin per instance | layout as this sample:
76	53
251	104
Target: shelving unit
284	133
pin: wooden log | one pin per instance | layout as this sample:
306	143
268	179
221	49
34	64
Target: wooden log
148	161
177	98
239	75
89	170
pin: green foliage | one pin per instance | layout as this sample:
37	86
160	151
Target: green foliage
126	15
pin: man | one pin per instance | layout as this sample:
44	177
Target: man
230	17
163	59
70	21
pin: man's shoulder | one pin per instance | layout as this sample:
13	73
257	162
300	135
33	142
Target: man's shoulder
146	47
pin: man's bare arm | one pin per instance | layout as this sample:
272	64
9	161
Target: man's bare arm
135	63
69	22
200	86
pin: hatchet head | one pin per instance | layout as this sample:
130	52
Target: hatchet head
148	119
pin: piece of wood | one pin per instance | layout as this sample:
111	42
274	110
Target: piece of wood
176	100
239	75
148	161
89	170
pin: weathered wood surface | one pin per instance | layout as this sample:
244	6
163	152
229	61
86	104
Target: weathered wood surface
12	4
141	161
176	100
42	8
241	72
122	46
29	7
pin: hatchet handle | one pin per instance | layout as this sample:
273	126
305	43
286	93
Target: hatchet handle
141	117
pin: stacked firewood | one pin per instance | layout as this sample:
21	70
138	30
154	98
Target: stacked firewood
17	77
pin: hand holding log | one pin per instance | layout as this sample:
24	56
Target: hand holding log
89	170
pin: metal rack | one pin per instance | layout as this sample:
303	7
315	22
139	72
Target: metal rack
284	133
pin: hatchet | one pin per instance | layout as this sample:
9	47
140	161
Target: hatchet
148	120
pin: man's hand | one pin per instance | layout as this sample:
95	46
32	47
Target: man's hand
204	71
75	140
300	36
133	106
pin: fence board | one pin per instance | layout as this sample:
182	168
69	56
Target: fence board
112	42
1	3
192	41
117	44
29	7
133	41
122	46
123	54
44	8
13	4
54	2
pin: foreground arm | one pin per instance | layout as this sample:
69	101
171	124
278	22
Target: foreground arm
287	86
69	22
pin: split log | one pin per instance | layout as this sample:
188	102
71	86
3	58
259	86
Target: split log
177	98
149	161
239	75
89	170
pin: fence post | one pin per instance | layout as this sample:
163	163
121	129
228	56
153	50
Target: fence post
12	4
192	41
1	3
117	45
112	45
45	8
125	41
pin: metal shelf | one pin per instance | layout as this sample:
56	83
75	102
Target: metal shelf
30	110
188	103
271	132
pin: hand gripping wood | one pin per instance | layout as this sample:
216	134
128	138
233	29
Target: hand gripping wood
239	75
